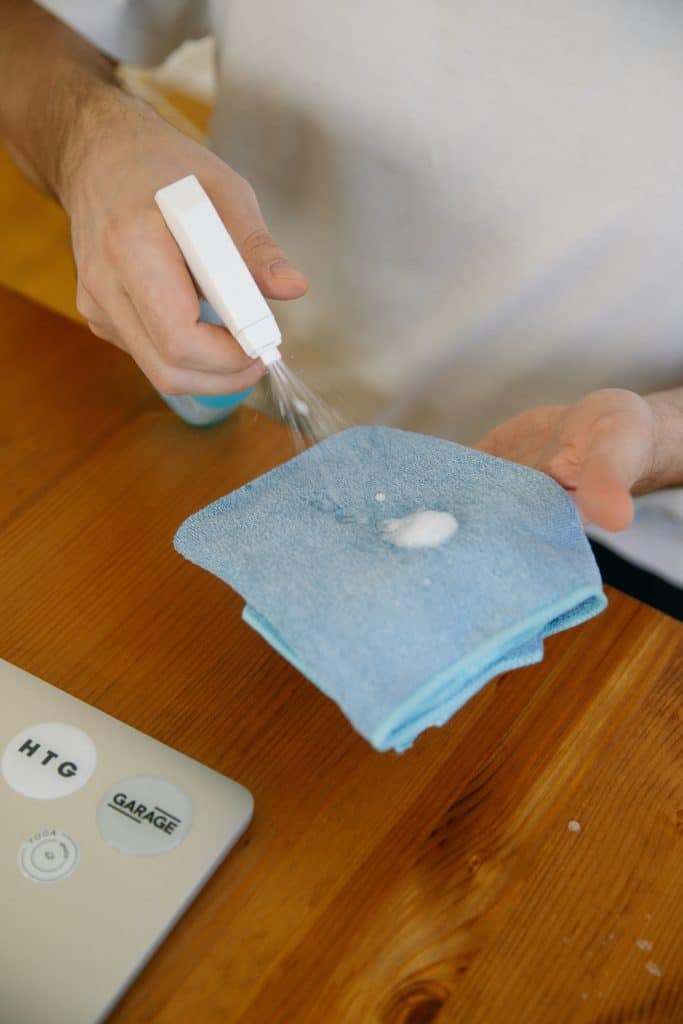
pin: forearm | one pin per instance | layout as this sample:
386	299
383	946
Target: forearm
52	82
667	467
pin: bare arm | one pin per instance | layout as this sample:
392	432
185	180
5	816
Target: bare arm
53	81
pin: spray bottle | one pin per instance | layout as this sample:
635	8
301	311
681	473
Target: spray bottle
231	296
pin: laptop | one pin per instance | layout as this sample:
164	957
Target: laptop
107	836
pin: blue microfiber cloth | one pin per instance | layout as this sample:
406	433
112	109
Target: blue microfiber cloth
399	637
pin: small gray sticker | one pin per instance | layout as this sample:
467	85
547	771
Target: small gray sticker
48	856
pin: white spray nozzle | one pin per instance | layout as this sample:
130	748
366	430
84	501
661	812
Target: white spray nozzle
218	268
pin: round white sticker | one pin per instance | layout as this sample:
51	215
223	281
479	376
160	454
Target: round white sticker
48	856
144	816
48	761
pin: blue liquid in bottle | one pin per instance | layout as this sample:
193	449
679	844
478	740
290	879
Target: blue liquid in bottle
205	410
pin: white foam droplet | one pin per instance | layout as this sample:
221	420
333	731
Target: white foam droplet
645	945
653	968
300	406
421	529
574	826
380	496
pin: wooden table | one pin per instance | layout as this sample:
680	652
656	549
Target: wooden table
444	884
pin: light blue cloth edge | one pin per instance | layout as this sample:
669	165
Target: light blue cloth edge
427	707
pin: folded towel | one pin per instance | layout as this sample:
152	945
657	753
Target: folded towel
400	636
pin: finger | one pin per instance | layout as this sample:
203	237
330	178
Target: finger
99	323
106	332
170	379
613	463
86	305
603	493
524	437
162	292
96	318
488	443
271	269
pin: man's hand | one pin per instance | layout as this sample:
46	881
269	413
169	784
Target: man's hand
604	448
133	286
104	154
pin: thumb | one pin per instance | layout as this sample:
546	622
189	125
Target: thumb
603	497
617	456
271	269
604	487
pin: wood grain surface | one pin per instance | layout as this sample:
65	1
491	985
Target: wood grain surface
441	885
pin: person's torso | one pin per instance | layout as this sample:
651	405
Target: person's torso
487	197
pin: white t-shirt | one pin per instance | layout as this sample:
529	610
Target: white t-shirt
487	197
